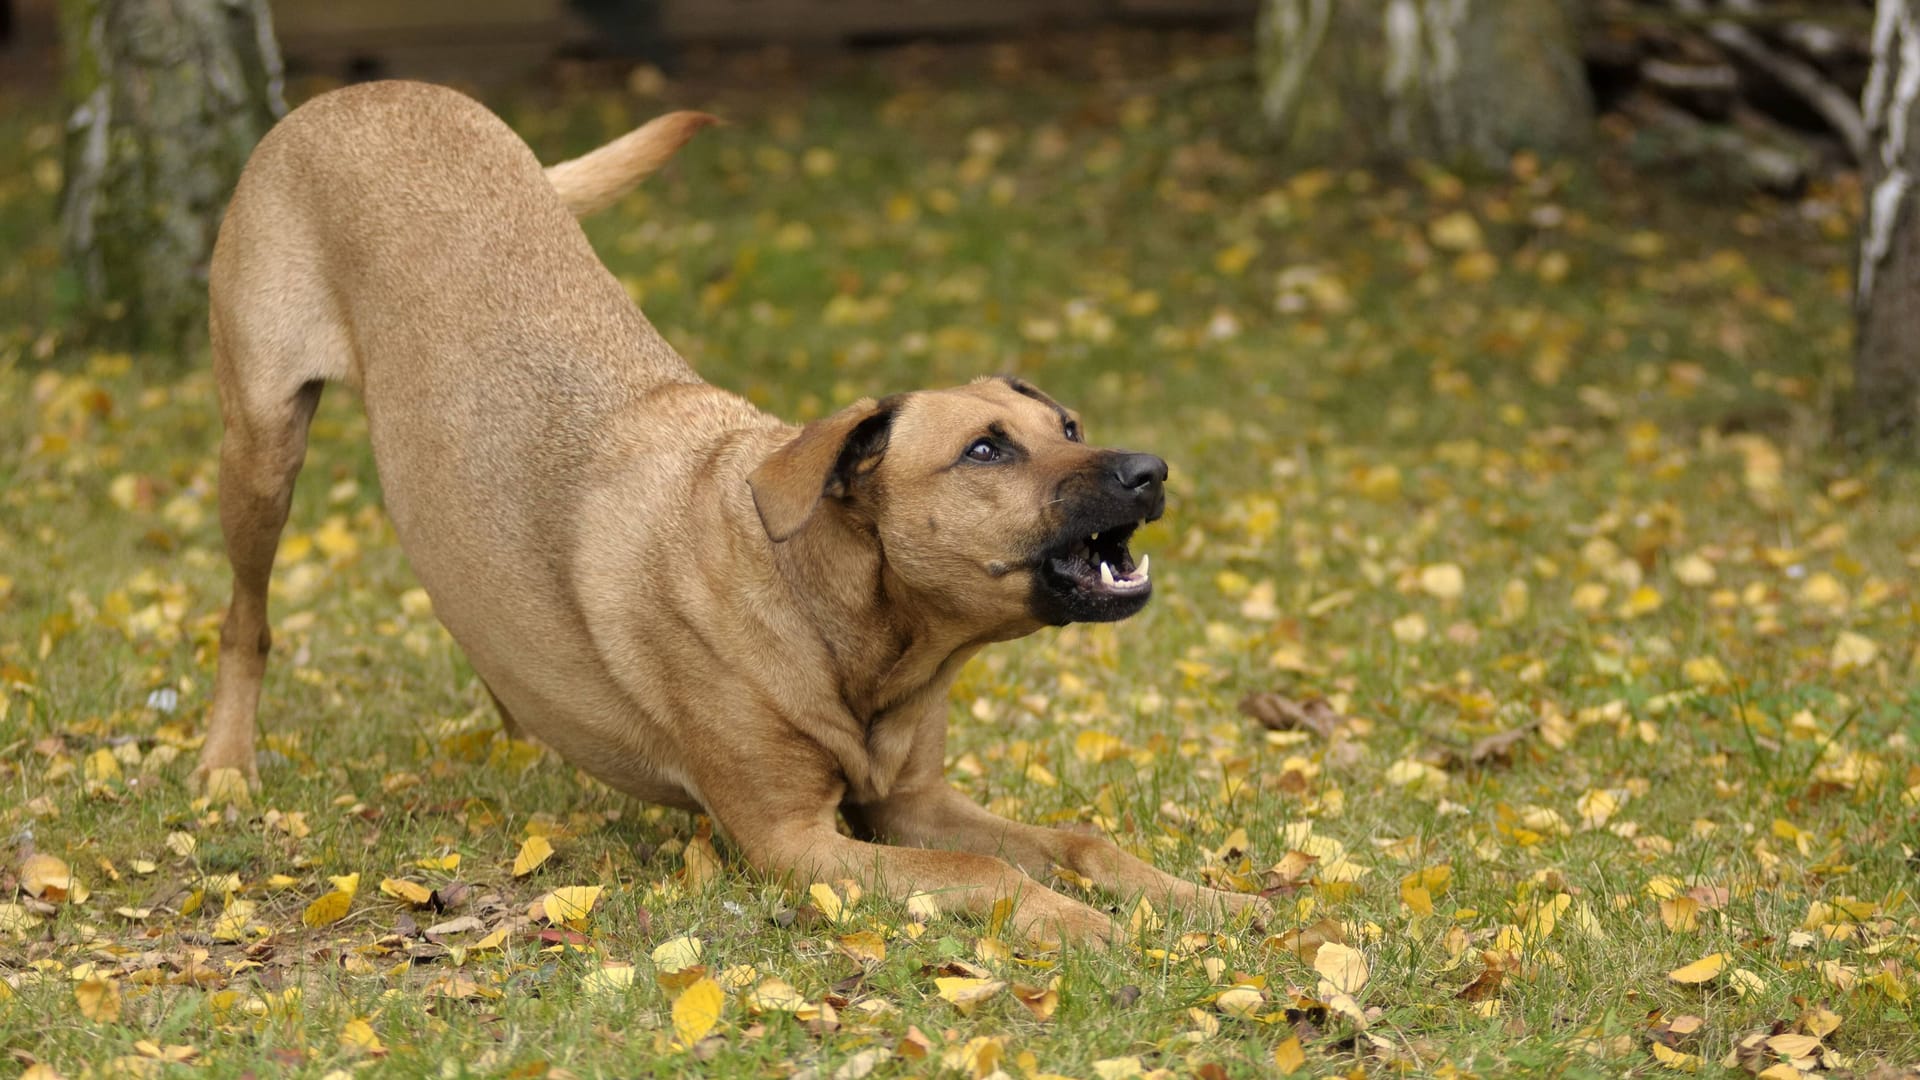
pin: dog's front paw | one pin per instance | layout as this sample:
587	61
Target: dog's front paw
1243	907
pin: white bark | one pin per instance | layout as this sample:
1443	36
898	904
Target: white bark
1292	32
1888	104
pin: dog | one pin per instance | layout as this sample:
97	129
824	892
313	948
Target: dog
697	603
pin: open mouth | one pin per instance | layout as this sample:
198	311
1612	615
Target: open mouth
1101	565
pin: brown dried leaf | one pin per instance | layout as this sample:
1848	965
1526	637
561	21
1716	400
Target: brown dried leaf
1278	713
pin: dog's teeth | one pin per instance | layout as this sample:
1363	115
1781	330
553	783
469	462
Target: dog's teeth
1140	572
1093	538
1106	576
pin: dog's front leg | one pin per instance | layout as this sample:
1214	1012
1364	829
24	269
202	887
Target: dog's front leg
933	814
786	830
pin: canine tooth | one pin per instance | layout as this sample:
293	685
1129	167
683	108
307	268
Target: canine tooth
1141	570
1106	575
1095	536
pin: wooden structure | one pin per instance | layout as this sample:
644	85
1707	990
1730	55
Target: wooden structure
427	37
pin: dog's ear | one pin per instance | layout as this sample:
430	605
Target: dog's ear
822	461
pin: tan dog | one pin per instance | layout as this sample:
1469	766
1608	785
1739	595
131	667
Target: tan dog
691	600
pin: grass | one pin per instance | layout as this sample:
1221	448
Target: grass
1461	456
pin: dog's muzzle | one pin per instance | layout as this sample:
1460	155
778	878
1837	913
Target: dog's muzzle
1088	572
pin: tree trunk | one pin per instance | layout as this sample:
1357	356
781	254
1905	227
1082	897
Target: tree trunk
1885	404
168	98
1449	80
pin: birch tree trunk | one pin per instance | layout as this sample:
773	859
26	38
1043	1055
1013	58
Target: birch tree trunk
168	98
1439	79
1885	404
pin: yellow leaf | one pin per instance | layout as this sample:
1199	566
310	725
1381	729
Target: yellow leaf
1681	914
328	909
1694	572
346	883
491	941
1242	1002
101	766
47	878
1596	807
676	954
1443	581
229	786
357	1037
1342	966
1705	969
1794	1046
1410	629
703	863
1704	671
697	1010
449	861
233	920
1458	231
827	901
416	895
608	979
571	903
1675	1059
1851	650
1040	1002
967	992
99	1000
1288	1057
775	995
1644	600
1094	747
865	946
535	851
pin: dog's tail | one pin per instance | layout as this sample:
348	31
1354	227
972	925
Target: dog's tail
593	181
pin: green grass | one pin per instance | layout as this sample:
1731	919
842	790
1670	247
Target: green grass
1557	379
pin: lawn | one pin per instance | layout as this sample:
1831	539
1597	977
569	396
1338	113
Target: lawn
1590	746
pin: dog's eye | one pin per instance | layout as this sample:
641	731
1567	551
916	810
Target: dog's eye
1073	431
983	450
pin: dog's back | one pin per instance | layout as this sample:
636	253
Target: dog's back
400	238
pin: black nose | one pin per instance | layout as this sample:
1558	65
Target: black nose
1139	472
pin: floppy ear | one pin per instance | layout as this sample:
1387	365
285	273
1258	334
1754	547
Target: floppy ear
822	460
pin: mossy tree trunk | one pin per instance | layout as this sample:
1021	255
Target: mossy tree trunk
167	98
1884	407
1447	80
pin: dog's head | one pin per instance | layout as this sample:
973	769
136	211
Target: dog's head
985	498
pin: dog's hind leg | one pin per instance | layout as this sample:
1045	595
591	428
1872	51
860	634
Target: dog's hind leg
507	723
266	404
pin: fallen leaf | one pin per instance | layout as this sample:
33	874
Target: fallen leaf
328	909
533	851
99	1000
1500	746
570	904
1278	713
697	1010
608	979
1344	967
702	864
416	895
1241	1002
676	954
966	992
1288	1058
357	1037
1705	969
